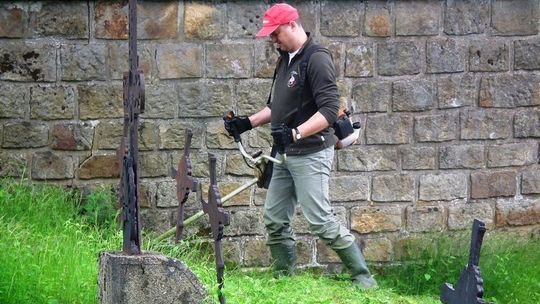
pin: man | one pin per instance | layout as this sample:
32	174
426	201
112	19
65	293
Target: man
301	121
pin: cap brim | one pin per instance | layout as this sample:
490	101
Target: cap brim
267	30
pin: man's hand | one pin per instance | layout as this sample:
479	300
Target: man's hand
283	137
236	125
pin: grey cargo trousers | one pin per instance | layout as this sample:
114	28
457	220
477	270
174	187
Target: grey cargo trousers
303	180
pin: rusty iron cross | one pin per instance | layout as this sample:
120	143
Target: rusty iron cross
128	154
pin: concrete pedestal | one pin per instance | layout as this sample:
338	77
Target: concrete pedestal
146	278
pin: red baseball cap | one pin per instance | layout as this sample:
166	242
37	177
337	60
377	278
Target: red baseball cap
275	16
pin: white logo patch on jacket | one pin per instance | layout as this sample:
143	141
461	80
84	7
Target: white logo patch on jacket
292	80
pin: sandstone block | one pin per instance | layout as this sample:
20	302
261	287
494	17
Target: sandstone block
414	95
359	61
466	17
179	61
69	20
527	54
245	18
156	219
418	158
235	165
25	134
199	161
378	250
261	138
378	20
172	135
208	99
111	20
398	58
415	18
241	199
154	164
510	91
437	127
445	55
371	96
265	58
148	194
118	63
48	165
14	100
527	123
161	101
368	159
486	184
217	137
388	129
519	18
461	215
228	60
52	102
27	62
251	95
486	124
232	253
462	157
100	101
13	20
109	134
391	188
488	56
376	219
513	212
256	253
72	136
349	188
303	252
530	181
245	222
166	194
100	166
518	154
341	18
425	218
457	91
205	20
83	62
338	53
443	186
12	163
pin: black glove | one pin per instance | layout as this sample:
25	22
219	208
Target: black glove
237	126
283	137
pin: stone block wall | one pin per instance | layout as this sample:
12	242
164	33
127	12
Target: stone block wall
448	94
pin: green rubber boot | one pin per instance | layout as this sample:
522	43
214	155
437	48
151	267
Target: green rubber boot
284	259
354	260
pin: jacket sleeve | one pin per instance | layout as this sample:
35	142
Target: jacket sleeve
322	79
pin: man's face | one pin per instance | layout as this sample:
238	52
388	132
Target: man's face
283	37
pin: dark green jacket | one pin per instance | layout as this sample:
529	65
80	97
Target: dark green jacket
320	94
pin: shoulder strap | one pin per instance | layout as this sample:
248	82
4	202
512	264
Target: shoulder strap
274	79
305	61
303	77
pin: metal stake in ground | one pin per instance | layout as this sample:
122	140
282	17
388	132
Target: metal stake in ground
185	183
219	218
470	287
133	100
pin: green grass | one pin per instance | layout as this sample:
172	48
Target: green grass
50	239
